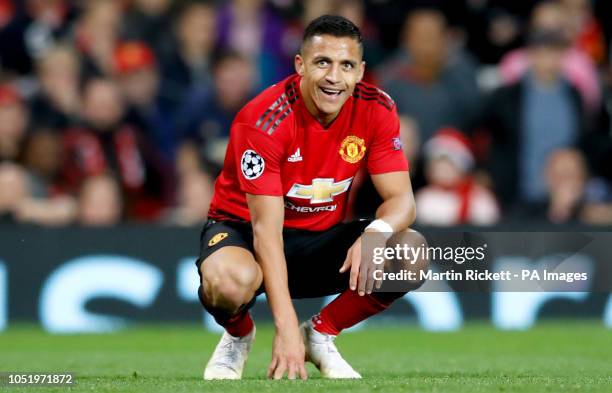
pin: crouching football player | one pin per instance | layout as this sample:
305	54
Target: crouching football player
275	219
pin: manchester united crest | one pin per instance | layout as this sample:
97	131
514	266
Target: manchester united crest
352	149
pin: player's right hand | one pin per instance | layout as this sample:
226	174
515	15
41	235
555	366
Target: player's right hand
288	354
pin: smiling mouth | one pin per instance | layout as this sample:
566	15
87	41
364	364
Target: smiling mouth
331	92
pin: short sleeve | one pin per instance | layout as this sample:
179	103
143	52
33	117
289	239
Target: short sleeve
258	157
385	152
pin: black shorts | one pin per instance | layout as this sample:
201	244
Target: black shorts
313	258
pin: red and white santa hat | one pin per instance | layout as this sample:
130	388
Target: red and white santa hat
450	143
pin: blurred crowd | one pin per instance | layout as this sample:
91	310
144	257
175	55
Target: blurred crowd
119	110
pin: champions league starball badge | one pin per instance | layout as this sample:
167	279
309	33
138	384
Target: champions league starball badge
252	164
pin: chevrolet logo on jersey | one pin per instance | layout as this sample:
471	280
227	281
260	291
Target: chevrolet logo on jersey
321	190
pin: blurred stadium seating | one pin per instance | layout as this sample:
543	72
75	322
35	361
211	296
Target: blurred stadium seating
528	85
117	112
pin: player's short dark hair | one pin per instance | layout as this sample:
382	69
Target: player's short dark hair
334	25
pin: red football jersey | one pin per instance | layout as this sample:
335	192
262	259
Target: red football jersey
278	148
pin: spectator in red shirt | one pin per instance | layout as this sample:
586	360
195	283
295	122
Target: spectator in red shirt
106	143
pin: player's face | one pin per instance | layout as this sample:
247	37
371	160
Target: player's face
330	68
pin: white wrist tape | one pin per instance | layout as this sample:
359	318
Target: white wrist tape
382	227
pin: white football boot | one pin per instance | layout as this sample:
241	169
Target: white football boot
230	356
322	352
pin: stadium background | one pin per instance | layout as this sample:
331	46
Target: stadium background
114	116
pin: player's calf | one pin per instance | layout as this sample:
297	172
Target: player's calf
230	279
350	308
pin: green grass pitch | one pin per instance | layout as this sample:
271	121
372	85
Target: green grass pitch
552	357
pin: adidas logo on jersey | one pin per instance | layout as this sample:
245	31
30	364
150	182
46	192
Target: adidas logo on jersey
295	157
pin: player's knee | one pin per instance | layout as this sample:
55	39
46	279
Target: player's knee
416	262
222	292
417	244
248	276
231	285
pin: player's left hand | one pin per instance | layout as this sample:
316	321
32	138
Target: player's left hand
360	261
